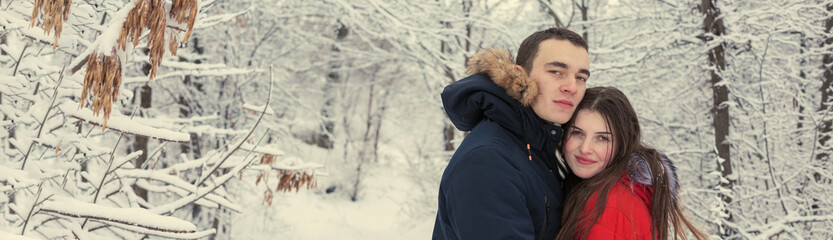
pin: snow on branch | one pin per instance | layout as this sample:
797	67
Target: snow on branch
164	176
200	192
35	33
262	149
124	124
774	228
289	163
55	13
132	219
196	73
214	20
10	236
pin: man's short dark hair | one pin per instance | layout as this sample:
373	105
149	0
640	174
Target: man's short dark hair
529	47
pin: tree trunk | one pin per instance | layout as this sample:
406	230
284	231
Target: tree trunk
713	25
4	53
448	129
583	8
141	143
825	126
552	14
323	139
366	151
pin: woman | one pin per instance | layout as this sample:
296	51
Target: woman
625	189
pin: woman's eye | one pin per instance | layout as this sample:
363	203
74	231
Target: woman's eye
603	138
575	132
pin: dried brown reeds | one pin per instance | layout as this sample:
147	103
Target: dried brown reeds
268	195
55	12
185	11
287	179
290	179
103	78
146	14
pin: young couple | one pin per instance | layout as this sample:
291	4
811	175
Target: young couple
507	179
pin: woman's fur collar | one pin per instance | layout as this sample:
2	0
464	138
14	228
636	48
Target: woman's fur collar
501	68
639	172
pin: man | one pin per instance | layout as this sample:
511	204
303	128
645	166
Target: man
504	181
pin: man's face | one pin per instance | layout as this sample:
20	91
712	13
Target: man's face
561	70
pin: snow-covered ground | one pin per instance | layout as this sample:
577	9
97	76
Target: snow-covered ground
392	205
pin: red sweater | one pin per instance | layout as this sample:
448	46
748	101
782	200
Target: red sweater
627	213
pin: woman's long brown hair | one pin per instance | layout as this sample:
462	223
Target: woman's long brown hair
666	210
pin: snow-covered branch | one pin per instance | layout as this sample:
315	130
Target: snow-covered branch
133	219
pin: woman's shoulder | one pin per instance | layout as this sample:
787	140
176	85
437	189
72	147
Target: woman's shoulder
625	216
625	196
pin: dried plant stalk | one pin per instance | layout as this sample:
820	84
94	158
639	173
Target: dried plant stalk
103	76
55	13
179	9
134	24
268	196
102	81
267	159
173	44
289	179
156	38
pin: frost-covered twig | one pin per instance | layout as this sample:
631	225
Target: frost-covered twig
179	203
109	165
766	136
231	151
46	116
195	73
132	219
774	228
9	236
123	124
164	177
17	64
32	209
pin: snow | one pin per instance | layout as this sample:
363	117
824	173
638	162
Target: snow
123	123
262	149
135	217
164	176
192	72
106	42
10	236
652	51
381	213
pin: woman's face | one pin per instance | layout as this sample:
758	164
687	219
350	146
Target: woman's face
589	145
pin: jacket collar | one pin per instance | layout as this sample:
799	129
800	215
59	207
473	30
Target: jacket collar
639	173
498	64
503	93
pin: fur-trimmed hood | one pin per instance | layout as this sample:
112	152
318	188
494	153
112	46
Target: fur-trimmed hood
499	65
505	164
639	172
498	91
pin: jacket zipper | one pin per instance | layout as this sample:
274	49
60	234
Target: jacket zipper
546	218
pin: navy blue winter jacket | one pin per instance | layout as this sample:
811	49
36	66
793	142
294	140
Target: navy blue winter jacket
490	188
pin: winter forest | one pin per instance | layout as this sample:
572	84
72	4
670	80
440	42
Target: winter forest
321	119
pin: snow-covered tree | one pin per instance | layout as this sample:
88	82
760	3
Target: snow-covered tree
64	174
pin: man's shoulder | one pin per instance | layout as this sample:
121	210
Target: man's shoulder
493	145
488	151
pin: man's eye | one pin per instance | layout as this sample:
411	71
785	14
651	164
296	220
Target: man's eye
583	79
555	72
